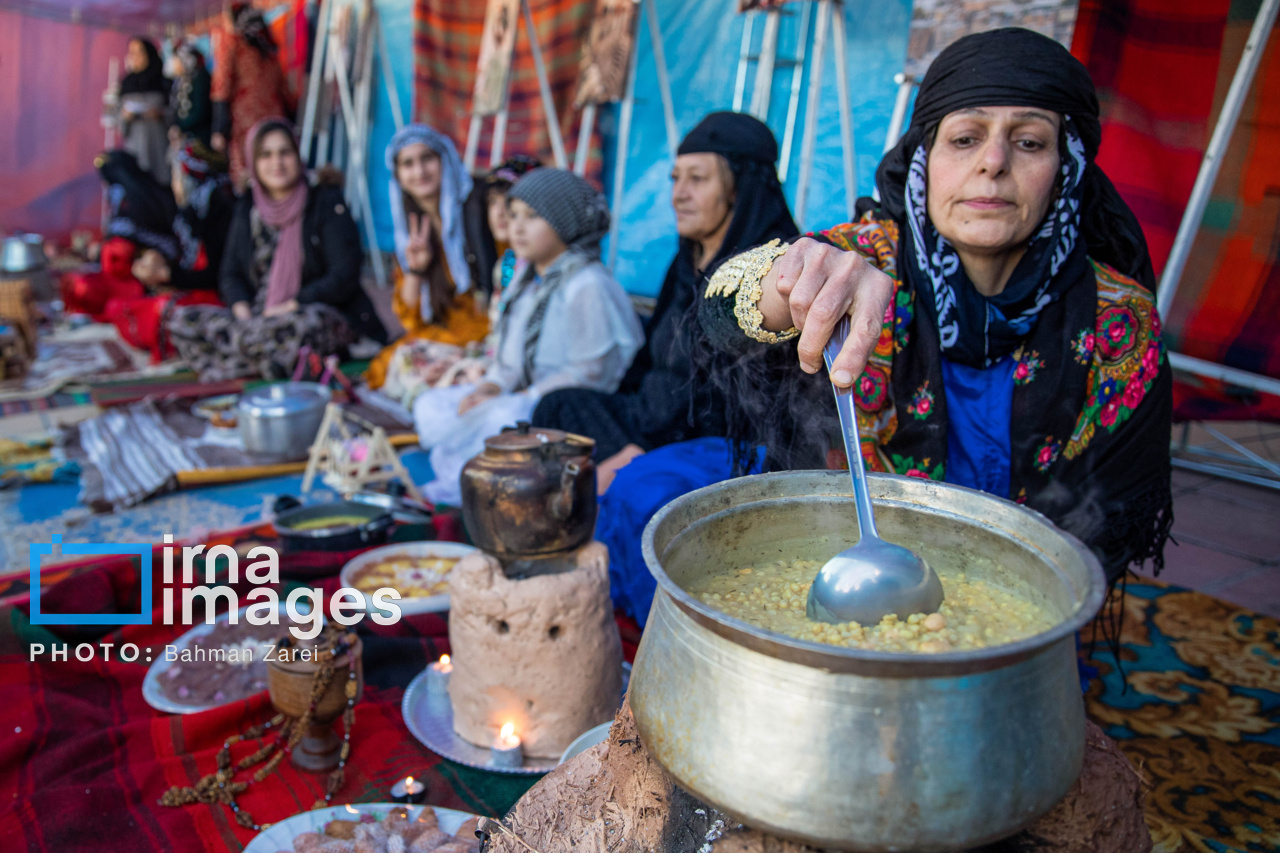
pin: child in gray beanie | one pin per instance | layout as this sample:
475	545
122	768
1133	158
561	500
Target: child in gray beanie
564	322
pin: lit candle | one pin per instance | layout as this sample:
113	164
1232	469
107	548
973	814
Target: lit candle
408	790
438	679
506	751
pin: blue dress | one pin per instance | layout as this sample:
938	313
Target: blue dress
979	410
979	404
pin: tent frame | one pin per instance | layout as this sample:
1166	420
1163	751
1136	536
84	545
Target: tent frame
1244	466
500	118
329	72
650	14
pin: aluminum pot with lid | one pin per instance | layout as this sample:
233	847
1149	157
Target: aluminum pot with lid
848	748
22	253
282	420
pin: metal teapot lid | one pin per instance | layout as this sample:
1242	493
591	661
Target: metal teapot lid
525	437
284	398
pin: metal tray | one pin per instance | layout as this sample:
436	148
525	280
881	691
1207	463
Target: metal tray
429	716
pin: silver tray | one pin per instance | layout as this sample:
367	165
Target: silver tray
429	715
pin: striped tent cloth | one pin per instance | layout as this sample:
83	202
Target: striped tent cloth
129	454
1163	68
447	51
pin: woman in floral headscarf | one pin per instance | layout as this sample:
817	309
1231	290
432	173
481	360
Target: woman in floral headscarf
189	103
1004	328
433	296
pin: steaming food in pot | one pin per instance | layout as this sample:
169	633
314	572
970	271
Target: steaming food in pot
975	612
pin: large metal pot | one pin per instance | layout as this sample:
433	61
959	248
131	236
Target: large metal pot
853	749
282	420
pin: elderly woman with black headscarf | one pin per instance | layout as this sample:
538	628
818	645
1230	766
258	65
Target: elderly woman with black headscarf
726	196
1004	329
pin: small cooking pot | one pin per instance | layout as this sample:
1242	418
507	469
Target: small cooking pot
22	253
282	420
354	525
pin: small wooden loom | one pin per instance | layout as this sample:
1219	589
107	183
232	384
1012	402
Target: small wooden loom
333	455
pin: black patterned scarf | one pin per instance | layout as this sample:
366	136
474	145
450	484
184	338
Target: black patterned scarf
974	329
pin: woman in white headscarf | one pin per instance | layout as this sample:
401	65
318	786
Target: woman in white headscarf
432	297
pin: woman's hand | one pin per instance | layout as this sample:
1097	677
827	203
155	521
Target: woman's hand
811	287
151	269
219	143
286	307
418	252
484	393
242	312
609	468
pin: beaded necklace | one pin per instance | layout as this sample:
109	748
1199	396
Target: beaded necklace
221	787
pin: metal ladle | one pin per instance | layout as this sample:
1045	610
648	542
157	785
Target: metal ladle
874	578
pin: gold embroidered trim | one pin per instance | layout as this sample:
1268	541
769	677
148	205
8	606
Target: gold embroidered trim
741	275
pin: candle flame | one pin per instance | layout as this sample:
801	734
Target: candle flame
408	782
353	811
444	660
508	731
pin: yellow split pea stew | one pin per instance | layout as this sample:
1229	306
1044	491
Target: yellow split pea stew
975	613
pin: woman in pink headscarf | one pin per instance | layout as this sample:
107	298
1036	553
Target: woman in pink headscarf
290	273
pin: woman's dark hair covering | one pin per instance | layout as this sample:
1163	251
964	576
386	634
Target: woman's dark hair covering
141	209
760	207
511	170
149	79
733	136
574	209
1018	67
271	125
252	27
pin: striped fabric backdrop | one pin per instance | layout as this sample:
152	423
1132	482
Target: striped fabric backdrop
447	48
1163	68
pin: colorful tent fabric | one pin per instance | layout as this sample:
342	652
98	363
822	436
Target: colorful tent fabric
447	50
51	89
1163	68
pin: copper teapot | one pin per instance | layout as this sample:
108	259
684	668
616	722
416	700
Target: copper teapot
531	494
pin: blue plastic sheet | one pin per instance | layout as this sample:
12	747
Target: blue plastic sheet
701	41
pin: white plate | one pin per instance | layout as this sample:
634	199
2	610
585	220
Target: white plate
156	697
210	406
586	740
279	836
411	550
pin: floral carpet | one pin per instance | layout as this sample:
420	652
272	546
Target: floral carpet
1200	717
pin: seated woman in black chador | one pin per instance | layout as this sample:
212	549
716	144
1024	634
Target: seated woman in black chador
726	195
1005	334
